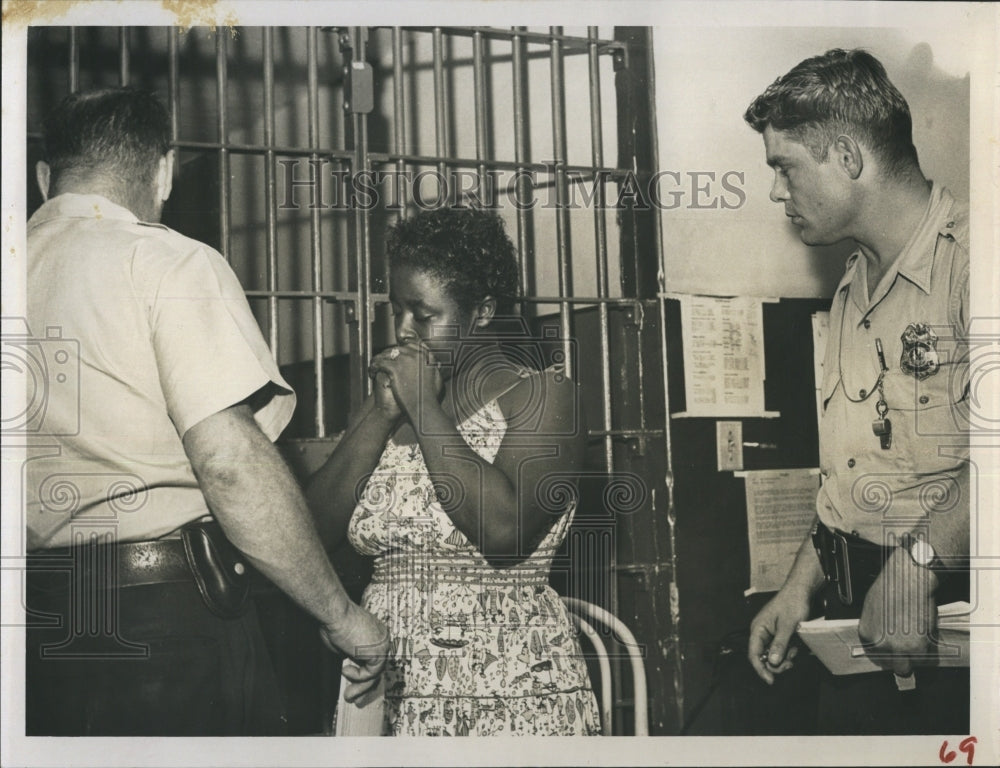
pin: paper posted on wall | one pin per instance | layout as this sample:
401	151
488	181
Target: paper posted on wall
723	341
837	644
364	716
820	334
781	506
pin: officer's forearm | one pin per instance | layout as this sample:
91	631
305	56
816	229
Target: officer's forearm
806	575
259	505
947	522
946	526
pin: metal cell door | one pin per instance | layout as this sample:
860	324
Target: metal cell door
298	146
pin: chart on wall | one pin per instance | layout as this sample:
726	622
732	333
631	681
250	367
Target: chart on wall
723	347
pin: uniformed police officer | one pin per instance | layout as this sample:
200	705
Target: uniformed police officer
893	438
165	418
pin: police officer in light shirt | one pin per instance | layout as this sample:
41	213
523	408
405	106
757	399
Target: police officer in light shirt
893	510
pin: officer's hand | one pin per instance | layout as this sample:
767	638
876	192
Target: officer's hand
899	619
772	629
365	640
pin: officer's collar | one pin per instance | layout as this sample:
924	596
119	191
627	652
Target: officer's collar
916	261
77	206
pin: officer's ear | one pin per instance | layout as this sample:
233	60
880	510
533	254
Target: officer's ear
165	177
847	153
43	175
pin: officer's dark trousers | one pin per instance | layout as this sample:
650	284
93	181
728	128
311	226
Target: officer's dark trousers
157	663
871	705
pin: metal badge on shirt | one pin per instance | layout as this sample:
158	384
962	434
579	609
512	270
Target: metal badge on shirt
920	355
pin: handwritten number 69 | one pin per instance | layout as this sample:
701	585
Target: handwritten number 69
968	746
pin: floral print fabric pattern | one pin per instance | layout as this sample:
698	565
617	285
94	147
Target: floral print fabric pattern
476	650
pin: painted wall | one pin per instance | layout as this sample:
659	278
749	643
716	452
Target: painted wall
705	79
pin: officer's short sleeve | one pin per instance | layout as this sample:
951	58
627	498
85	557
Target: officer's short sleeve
958	316
958	308
209	349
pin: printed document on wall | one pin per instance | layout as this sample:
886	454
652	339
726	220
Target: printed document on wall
723	342
820	333
781	505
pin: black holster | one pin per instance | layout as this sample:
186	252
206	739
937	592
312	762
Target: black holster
221	572
851	565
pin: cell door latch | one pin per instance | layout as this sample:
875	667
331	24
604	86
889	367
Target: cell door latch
359	88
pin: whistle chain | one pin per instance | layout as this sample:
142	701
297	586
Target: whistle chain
882	427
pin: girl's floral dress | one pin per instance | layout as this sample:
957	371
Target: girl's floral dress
476	650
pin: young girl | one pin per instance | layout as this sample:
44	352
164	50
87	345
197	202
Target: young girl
442	477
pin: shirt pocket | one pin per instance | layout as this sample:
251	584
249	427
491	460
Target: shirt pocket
932	412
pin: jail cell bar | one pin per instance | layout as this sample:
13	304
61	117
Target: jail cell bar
360	300
558	45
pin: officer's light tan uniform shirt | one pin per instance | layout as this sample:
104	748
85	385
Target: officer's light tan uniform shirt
918	311
141	333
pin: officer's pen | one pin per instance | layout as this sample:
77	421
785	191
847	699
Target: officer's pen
881	355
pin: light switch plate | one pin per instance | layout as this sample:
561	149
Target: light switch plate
729	445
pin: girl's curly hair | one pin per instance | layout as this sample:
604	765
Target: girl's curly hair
466	248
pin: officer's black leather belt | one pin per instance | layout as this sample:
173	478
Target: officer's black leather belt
129	564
